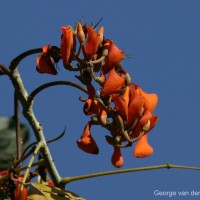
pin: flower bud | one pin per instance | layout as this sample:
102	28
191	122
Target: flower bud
80	33
101	33
117	158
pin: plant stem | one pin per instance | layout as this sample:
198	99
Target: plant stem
54	83
17	125
14	63
35	125
67	180
39	146
41	161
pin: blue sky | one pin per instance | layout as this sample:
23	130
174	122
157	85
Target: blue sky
163	40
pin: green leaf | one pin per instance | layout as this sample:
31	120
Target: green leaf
50	193
8	141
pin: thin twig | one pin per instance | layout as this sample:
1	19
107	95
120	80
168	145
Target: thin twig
17	126
4	70
32	145
50	84
39	146
14	63
67	180
41	161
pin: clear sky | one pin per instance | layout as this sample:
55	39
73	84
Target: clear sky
163	40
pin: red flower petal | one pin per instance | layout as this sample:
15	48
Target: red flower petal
117	159
142	122
92	42
67	42
115	55
142	148
113	83
45	63
136	103
151	100
86	142
91	107
121	103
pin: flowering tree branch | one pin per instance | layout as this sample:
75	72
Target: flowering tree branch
120	106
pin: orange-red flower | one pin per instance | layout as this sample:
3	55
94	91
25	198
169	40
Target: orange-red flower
93	41
143	149
115	55
117	158
67	43
151	100
136	109
45	63
140	103
113	83
86	142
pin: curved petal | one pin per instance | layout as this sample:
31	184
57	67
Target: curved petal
117	158
151	100
136	103
121	103
88	145
67	42
45	63
142	122
92	42
142	148
113	83
115	55
91	107
86	142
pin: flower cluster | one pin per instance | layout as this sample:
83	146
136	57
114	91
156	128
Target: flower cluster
121	106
